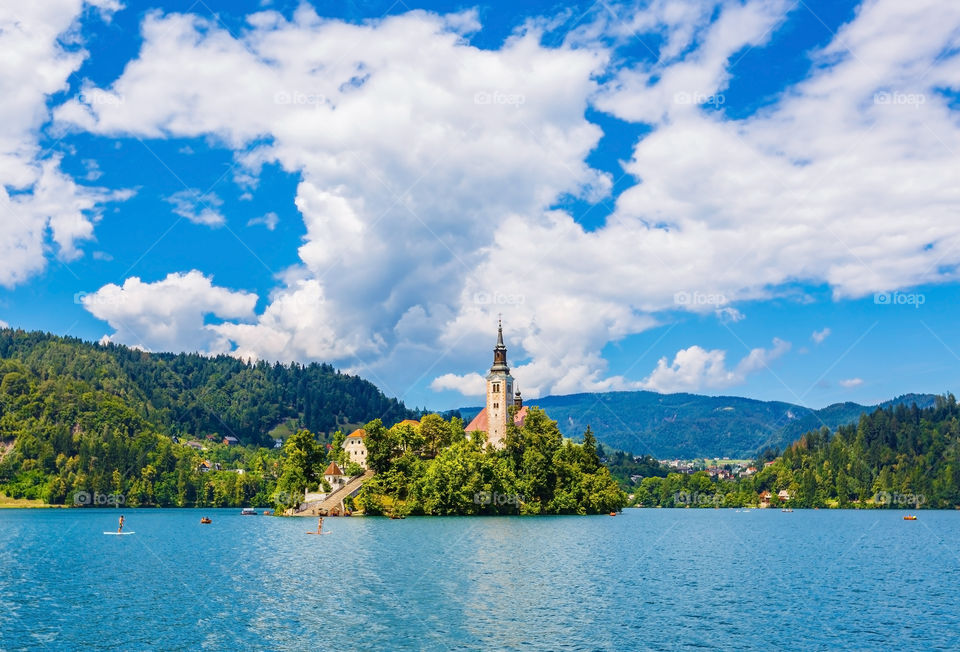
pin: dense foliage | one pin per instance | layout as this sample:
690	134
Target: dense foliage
898	457
436	469
194	395
80	421
689	426
68	443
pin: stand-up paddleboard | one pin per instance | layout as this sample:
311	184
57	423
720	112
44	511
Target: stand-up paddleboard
120	533
319	533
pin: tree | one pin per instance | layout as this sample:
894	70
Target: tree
336	452
590	457
436	433
301	468
382	446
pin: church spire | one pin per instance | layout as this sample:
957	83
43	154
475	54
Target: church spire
500	352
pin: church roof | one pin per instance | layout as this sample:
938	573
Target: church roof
520	416
333	469
481	422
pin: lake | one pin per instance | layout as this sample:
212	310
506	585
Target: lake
647	579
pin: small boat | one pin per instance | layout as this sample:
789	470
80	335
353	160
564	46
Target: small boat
909	517
205	520
248	511
267	512
786	509
613	513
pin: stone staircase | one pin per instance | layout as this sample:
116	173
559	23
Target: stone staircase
335	500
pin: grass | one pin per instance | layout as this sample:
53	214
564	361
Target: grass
284	430
7	502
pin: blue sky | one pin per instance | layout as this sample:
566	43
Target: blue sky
750	198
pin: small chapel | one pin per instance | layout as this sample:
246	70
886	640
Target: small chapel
500	396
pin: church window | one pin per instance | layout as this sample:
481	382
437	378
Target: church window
496	387
496	405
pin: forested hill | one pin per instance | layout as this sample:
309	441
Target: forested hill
895	457
191	395
688	426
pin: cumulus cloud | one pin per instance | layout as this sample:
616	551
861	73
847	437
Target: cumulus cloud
170	314
408	167
44	210
729	210
425	191
820	336
4	324
472	384
198	208
851	382
696	368
270	220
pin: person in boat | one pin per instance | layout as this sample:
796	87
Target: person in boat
320	525
120	529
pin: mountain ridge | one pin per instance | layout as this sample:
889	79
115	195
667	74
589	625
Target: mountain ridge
685	425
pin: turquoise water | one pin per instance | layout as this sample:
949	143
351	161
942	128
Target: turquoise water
648	579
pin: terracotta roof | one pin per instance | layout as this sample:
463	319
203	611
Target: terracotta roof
359	432
520	416
333	469
480	422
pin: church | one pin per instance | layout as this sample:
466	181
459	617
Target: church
500	396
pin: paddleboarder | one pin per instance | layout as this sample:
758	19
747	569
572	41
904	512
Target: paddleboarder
320	525
120	529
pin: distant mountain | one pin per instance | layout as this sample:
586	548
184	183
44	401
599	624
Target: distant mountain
689	425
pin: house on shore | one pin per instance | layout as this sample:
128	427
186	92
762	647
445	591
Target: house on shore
765	499
334	476
356	448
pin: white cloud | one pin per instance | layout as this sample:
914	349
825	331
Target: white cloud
198	208
270	220
820	336
471	384
44	210
169	315
851	382
695	368
4	324
408	166
730	315
823	186
423	188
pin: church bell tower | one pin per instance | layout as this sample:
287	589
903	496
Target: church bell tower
499	393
